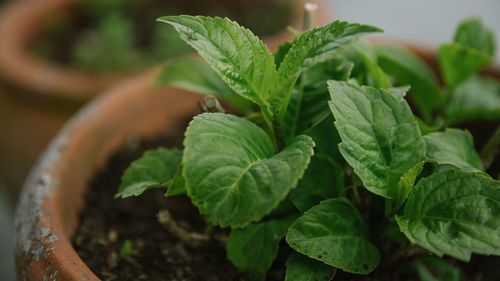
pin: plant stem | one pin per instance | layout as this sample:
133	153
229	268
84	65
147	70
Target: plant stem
193	239
210	104
491	148
309	16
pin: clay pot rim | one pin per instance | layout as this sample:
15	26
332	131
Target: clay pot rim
41	227
20	21
37	221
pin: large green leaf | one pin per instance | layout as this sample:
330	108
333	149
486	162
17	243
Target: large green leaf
453	147
238	56
454	212
233	173
334	232
197	76
309	48
155	169
302	268
380	137
323	179
253	248
475	99
407	69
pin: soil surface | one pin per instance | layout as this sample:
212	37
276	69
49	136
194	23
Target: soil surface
121	239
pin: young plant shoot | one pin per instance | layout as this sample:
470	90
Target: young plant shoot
328	155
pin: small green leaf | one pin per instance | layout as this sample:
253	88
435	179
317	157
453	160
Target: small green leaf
454	212
302	268
154	169
473	49
477	98
399	92
323	179
407	69
196	76
373	73
253	248
436	269
127	249
234	52
308	105
177	185
453	147
310	48
380	138
326	138
459	62
233	173
334	232
404	187
474	34
281	52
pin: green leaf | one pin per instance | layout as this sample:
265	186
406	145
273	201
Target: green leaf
455	212
233	173
310	48
404	187
127	249
177	185
453	147
323	179
326	138
374	74
238	56
281	52
459	62
474	34
254	248
154	169
334	232
380	138
308	105
196	76
475	99
407	69
436	269
302	268
316	76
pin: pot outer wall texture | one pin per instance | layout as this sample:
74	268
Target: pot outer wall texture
21	23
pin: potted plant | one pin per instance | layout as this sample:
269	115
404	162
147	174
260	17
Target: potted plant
75	48
325	172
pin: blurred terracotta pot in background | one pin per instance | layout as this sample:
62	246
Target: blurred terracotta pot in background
21	22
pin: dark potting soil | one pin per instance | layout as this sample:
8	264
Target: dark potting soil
121	239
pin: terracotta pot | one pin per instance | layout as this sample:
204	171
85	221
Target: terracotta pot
20	24
49	206
47	214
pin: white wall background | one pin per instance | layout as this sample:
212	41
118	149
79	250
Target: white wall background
430	22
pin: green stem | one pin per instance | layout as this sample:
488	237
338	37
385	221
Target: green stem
490	150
